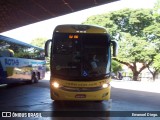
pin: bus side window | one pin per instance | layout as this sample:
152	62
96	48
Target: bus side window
0	53
6	53
11	53
1	70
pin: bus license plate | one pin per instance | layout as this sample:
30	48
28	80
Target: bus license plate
80	96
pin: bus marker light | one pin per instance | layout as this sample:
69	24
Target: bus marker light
80	96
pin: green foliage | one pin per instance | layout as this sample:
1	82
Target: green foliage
156	63
126	20
152	32
138	34
157	7
135	49
40	42
116	66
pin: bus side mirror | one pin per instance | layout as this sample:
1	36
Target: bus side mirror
115	48
47	47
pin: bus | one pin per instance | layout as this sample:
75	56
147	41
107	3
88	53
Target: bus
80	62
20	61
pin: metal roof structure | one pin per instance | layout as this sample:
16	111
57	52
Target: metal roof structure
11	40
17	13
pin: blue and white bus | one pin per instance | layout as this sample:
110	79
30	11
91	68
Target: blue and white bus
20	61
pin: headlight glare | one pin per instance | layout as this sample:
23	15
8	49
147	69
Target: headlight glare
55	84
105	85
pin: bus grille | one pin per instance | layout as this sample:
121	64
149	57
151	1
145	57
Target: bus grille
88	89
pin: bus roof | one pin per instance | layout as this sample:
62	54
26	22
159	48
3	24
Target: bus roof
79	28
8	39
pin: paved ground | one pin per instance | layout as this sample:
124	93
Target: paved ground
125	96
147	86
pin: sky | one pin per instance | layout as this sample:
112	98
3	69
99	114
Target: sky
45	28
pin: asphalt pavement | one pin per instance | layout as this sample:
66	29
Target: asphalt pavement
128	99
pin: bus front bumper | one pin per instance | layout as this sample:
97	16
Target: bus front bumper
80	94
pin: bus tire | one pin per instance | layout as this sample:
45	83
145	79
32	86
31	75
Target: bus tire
51	95
34	78
37	77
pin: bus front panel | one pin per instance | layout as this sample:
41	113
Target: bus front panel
73	90
79	58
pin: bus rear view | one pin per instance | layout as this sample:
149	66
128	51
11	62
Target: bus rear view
80	62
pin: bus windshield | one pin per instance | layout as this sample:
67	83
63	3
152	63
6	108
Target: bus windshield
77	56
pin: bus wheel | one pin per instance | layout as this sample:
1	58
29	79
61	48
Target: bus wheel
51	95
34	78
37	77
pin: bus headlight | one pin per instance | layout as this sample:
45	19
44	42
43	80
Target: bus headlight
55	84
105	85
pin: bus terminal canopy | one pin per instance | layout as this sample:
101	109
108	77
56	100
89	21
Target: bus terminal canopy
17	13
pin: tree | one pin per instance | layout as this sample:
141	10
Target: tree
156	63
136	53
156	9
153	33
116	66
39	42
132	29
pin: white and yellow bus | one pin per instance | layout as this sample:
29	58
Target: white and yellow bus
80	62
20	61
